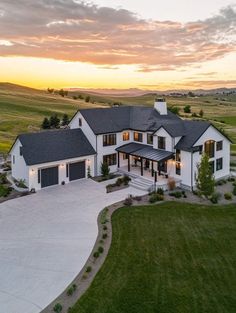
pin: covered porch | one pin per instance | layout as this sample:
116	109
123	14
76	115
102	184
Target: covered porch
144	161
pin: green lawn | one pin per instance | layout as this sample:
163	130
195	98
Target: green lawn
171	257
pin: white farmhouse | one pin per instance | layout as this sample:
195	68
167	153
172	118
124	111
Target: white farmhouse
150	144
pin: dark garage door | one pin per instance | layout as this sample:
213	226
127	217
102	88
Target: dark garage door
49	176
77	170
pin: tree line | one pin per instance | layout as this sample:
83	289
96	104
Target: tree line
54	121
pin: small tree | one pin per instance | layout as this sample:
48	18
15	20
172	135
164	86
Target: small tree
201	113
45	123
174	110
105	170
191	94
87	99
65	120
54	121
205	179
61	92
187	109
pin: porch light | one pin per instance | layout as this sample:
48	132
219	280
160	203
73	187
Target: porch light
62	165
32	171
88	162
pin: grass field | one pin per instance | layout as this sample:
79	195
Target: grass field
172	257
22	109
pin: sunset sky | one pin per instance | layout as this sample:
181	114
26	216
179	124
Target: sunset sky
147	44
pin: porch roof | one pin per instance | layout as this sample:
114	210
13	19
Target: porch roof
145	151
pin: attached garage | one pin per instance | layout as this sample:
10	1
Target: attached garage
76	170
49	176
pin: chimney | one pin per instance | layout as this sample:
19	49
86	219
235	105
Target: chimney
161	106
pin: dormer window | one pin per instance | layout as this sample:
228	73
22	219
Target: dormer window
161	143
149	139
125	136
138	137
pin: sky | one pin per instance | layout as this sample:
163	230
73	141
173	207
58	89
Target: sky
151	44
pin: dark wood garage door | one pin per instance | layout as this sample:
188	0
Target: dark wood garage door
77	170
49	176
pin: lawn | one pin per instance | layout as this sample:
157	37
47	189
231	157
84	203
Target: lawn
171	257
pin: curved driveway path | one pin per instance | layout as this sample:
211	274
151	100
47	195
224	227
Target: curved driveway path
45	240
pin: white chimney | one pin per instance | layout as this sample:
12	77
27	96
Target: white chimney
161	106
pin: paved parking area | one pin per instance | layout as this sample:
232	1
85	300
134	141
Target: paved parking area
45	239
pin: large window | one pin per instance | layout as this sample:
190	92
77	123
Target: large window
178	168
109	140
110	159
161	143
219	164
219	145
210	148
125	136
149	139
138	137
212	166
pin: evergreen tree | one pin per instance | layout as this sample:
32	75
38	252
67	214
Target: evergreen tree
105	170
187	109
201	113
65	120
45	123
54	121
205	179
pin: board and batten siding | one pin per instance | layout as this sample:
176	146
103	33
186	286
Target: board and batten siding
19	167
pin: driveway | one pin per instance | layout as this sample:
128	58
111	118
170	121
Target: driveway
45	239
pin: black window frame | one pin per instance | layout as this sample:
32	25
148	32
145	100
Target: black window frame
161	143
212	166
13	159
219	145
80	122
110	159
39	176
124	136
219	162
178	155
200	149
21	152
178	168
67	170
140	137
149	136
109	140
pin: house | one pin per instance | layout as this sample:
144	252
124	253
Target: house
151	143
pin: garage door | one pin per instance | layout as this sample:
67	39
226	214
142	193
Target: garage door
76	170
49	176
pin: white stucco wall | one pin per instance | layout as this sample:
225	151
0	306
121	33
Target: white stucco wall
33	170
19	169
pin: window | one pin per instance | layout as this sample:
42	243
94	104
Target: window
109	140
219	145
178	168
80	122
210	148
110	159
149	139
21	151
125	156
161	143
39	176
67	170
13	159
125	136
200	149
219	164
212	166
138	137
177	156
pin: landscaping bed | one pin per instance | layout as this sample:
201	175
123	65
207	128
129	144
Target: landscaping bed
101	178
121	183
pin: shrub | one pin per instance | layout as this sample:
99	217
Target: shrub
104	236
126	179
96	254
57	308
176	194
137	198
160	191
71	290
156	197
100	249
4	191
228	196
215	197
234	191
119	181
105	170
231	179
21	183
105	227
171	184
128	201
89	269
3	178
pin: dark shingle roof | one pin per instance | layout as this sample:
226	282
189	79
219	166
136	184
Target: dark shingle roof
193	131
54	145
117	119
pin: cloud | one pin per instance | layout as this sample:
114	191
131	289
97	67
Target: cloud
80	31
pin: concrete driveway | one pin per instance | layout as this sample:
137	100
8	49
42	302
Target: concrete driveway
45	240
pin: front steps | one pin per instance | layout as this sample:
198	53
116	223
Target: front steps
141	183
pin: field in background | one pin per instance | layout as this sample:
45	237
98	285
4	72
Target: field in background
22	109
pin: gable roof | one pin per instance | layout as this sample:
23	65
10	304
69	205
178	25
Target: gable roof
193	131
56	145
117	119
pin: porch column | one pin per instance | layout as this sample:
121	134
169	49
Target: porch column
118	159
152	170
128	163
141	166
